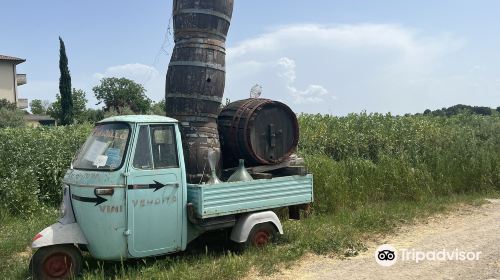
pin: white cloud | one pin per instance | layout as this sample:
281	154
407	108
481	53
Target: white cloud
345	68
373	67
138	72
403	41
312	94
148	76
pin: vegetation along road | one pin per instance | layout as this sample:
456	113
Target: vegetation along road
469	229
373	174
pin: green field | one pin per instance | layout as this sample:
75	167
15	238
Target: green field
372	173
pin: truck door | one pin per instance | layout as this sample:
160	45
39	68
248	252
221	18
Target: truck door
154	192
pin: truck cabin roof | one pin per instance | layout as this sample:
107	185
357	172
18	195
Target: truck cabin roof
139	119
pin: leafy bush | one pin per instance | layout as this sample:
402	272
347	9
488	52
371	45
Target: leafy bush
356	160
33	162
11	118
4	103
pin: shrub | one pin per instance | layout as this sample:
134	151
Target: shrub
4	103
11	118
356	160
33	162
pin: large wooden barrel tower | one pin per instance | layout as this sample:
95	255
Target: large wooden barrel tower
196	77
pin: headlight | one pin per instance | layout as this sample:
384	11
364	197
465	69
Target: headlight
62	206
62	209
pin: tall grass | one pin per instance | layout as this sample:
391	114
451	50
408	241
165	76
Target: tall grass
361	159
355	159
371	173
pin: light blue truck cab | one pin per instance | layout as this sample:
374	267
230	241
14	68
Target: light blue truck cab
126	196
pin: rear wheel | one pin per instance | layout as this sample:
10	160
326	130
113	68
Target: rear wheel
56	262
261	235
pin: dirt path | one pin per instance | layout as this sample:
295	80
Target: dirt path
470	229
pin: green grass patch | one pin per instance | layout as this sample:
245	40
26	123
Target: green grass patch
16	233
340	234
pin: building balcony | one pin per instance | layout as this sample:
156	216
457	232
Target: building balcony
22	103
21	79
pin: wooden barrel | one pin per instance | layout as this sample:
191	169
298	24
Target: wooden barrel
196	78
202	19
261	131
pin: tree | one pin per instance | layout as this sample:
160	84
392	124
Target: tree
498	109
461	109
39	107
481	110
118	93
65	86
93	115
159	108
79	100
123	111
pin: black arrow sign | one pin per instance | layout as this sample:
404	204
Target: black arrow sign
157	185
98	199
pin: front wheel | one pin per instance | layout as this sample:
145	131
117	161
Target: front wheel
56	262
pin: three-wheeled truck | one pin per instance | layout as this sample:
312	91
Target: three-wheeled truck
125	196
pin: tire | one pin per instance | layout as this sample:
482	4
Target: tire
56	262
261	235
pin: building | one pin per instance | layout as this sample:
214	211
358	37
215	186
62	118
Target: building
10	79
39	120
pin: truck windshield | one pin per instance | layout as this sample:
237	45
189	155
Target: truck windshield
104	149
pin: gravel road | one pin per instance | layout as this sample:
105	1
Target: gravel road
469	229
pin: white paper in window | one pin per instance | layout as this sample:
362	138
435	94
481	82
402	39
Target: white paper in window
96	149
100	161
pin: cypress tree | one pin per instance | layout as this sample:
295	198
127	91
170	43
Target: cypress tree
65	86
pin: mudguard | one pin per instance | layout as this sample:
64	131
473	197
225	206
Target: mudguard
245	224
59	233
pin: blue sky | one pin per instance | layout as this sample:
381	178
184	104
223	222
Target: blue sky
320	56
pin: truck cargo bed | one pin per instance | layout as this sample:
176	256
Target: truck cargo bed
240	197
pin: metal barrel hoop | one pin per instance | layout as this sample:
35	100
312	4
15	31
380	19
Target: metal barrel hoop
203	12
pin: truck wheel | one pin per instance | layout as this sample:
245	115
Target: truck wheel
56	262
261	235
